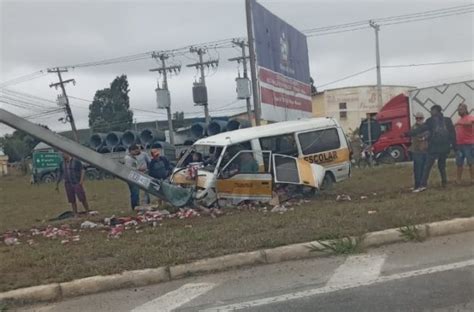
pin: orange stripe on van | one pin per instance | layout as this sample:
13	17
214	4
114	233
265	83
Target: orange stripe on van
245	187
329	157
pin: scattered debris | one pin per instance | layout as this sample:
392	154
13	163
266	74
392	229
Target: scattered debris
343	197
364	197
279	208
10	241
89	225
372	212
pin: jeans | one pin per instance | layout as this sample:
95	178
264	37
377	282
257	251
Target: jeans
134	195
419	160
430	160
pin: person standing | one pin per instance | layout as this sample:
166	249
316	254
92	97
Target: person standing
418	149
465	142
143	160
131	161
159	166
442	137
72	172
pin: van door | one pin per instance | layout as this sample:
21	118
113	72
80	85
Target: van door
291	170
245	178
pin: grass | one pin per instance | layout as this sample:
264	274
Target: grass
411	233
389	204
339	246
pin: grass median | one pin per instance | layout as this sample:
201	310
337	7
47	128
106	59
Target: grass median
380	199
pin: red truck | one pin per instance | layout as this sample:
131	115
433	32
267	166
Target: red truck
397	115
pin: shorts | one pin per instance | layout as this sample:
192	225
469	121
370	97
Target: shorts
73	190
465	151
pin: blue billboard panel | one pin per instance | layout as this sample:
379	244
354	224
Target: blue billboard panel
282	66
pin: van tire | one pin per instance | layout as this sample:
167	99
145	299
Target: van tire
48	178
328	182
397	152
92	174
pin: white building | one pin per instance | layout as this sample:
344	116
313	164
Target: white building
350	105
3	163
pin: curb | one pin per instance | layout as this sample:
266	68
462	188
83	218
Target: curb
138	278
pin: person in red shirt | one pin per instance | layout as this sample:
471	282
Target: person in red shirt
465	142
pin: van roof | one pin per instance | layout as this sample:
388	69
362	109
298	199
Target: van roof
246	134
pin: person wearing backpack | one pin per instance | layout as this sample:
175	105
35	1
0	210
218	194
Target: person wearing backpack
442	137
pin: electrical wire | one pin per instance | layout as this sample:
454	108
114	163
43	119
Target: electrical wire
346	77
428	64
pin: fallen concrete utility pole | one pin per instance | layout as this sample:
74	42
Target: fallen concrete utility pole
175	195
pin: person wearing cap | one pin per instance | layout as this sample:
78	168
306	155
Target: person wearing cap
465	142
442	137
418	149
159	166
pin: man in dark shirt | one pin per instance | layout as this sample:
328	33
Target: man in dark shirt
442	137
72	172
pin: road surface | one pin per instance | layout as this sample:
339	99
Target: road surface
436	275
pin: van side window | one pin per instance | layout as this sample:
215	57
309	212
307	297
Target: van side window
318	141
283	144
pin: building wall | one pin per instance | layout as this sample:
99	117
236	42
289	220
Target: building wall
3	165
359	101
319	107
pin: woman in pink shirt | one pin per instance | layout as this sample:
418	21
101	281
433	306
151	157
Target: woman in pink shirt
464	141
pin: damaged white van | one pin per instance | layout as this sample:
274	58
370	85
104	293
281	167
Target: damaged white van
251	163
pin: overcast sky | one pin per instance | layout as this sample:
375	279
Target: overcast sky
39	34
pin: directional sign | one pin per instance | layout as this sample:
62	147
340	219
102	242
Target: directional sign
46	160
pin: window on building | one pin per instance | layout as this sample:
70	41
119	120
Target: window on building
318	141
282	144
343	110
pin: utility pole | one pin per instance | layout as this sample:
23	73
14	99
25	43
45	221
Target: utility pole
167	100
376	28
243	59
61	83
253	62
200	65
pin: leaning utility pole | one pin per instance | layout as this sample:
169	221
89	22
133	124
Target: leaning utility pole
162	94
253	63
202	83
61	83
243	59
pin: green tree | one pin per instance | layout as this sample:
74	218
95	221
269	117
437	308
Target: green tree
110	109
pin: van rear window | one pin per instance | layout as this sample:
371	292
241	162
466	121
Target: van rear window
319	141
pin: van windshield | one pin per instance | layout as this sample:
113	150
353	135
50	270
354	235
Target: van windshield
208	155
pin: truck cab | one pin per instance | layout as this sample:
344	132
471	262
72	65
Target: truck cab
394	121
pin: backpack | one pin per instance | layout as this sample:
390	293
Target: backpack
439	132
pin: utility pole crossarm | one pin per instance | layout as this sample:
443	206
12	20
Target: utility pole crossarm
67	106
200	65
243	58
164	70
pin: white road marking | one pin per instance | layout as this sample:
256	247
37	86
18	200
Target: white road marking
330	289
175	298
360	268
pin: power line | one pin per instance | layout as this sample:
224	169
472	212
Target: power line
22	79
429	64
347	77
391	20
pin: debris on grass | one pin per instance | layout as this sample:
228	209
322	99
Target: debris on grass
343	197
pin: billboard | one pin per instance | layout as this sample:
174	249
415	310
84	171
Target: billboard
282	67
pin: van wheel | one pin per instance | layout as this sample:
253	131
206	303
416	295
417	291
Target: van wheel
48	178
397	153
92	175
328	182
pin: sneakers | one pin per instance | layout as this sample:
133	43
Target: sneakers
420	189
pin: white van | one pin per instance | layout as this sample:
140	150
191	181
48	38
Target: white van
250	163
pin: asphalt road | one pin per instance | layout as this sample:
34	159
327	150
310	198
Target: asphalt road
436	275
